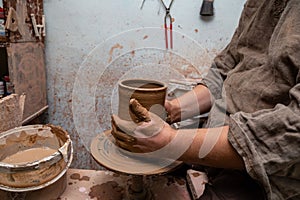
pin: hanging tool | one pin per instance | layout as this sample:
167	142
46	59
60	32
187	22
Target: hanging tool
168	17
142	5
207	8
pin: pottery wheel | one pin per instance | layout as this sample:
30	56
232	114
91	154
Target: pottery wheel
107	154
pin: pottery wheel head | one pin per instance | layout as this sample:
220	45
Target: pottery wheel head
109	155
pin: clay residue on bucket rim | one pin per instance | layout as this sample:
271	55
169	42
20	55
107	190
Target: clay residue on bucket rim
40	173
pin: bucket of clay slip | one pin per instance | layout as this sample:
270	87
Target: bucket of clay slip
150	93
33	157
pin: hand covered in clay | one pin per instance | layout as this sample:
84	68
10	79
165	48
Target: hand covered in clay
146	133
173	110
195	102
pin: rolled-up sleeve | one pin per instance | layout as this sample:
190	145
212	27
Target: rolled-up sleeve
268	141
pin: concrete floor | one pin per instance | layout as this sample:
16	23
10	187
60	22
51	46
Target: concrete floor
104	185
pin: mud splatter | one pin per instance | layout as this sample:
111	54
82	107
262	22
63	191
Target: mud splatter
76	176
170	181
132	52
111	51
180	181
107	191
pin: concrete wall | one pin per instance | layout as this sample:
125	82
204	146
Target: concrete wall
91	45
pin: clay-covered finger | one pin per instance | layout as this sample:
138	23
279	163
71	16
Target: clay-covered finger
124	125
117	133
127	146
123	137
139	113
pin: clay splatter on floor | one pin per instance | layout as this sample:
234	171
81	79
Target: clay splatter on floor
180	181
76	176
116	175
107	191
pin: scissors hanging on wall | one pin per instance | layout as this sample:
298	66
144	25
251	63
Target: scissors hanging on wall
168	19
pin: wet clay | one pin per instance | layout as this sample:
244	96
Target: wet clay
150	94
139	113
105	152
29	155
107	191
40	154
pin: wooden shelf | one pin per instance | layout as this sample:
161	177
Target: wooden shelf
34	115
25	54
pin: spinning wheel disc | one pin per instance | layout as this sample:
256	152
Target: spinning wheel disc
114	158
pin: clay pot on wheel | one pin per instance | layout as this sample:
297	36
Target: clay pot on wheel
150	93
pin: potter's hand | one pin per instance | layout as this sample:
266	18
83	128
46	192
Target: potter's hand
195	102
173	110
143	134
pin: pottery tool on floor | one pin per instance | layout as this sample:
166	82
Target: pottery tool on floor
207	8
167	18
196	181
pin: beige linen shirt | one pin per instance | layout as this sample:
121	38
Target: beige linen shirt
255	82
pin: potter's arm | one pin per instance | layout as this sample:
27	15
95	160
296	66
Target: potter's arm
209	147
198	146
192	103
204	149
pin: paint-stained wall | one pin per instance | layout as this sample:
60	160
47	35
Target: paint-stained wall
91	45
